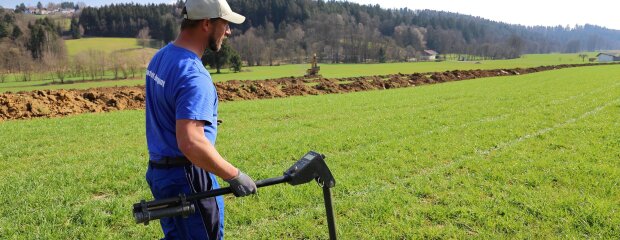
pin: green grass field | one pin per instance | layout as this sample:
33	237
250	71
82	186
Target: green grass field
108	45
534	156
328	70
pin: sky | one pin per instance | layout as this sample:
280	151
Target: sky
525	12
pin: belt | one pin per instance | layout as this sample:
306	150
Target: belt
170	162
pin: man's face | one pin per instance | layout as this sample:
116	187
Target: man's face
219	30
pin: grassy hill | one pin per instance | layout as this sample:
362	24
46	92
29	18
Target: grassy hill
532	156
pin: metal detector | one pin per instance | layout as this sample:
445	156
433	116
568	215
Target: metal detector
310	167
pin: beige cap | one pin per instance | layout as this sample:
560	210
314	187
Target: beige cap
206	9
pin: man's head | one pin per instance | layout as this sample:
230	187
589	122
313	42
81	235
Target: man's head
208	20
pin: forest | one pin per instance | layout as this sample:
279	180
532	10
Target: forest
290	31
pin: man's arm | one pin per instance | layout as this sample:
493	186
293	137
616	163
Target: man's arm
197	148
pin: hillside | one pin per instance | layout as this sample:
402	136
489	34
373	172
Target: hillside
290	31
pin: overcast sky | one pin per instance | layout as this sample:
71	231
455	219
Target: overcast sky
526	12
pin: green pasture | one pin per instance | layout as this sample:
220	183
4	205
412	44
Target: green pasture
329	70
522	157
107	45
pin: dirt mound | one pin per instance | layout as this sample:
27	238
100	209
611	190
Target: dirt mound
328	86
54	103
246	90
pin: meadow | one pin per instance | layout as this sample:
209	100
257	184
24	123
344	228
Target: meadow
108	45
534	156
266	72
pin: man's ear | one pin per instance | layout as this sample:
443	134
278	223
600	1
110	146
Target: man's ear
205	25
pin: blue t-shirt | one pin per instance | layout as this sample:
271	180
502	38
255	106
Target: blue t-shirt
177	87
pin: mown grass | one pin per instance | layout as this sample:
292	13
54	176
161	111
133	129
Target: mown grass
335	71
534	156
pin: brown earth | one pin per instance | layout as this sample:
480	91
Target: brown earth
55	103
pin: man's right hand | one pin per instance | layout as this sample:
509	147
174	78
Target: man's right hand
242	185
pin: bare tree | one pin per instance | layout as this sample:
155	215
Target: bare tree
81	30
103	64
94	63
583	57
80	63
61	70
27	70
144	37
117	63
132	66
3	75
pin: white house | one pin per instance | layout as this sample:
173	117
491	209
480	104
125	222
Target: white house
607	57
429	55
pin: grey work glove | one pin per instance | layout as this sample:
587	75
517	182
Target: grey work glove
242	185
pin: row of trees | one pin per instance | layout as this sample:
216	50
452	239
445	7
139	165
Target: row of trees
126	20
88	65
38	52
98	65
21	8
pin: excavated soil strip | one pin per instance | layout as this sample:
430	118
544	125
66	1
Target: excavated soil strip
56	103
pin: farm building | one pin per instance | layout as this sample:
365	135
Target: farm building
607	57
429	55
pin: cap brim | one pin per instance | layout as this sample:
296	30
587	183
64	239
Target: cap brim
234	18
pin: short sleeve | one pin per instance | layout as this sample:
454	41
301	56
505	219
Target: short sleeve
195	99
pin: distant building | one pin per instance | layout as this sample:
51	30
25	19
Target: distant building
429	55
607	57
68	12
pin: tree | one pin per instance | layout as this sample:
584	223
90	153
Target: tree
143	37
43	38
220	58
17	32
39	5
61	68
81	30
133	65
515	44
3	32
235	63
95	61
382	55
3	75
80	63
583	57
67	5
170	29
9	18
118	65
75	29
21	8
573	46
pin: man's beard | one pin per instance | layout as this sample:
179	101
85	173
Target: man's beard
213	44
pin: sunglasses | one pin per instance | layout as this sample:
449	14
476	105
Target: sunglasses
218	19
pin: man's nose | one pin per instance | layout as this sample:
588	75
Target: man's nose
228	31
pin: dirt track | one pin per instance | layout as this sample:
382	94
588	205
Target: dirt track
55	103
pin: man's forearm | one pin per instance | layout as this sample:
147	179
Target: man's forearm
204	155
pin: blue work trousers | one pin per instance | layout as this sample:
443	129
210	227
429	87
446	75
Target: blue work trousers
208	220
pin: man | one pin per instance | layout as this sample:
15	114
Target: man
181	122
